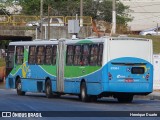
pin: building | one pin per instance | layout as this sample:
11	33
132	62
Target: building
145	13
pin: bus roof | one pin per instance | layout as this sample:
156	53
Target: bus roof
76	41
129	38
37	42
87	40
48	42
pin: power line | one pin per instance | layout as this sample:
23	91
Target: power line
147	18
144	12
145	5
147	12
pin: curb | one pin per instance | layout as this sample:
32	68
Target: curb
152	96
155	95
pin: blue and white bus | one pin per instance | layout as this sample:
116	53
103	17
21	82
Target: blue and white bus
90	68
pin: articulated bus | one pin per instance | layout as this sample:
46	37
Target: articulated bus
90	68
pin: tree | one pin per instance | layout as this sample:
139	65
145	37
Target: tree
102	10
2	8
8	7
98	9
3	11
30	7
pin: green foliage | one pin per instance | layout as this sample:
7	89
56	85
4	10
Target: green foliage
122	16
103	11
30	7
4	43
98	9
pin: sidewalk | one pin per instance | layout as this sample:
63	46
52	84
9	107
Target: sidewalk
155	95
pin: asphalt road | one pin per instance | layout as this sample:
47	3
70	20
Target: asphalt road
37	102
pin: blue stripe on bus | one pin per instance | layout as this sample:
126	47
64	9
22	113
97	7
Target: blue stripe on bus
97	82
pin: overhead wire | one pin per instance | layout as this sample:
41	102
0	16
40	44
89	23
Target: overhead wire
145	5
152	15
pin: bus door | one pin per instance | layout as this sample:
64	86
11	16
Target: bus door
10	65
60	67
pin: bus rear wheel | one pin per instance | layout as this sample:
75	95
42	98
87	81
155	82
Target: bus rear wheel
125	98
48	90
84	96
19	87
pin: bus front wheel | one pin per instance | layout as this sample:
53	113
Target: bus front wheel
19	87
48	87
84	97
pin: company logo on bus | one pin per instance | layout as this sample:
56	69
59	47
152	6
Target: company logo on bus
121	76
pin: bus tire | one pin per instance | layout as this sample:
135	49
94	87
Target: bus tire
84	96
48	89
19	87
125	98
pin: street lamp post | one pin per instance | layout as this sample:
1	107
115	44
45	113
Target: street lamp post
48	22
41	19
114	16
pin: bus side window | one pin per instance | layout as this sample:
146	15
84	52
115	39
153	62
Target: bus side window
100	51
77	55
94	54
19	54
40	55
54	54
85	55
48	59
70	53
32	53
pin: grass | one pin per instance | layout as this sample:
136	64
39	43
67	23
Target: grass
156	42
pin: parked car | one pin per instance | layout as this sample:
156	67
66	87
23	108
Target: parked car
151	31
52	21
33	23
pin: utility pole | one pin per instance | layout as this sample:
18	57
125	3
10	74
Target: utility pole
41	19
48	22
113	16
81	12
157	29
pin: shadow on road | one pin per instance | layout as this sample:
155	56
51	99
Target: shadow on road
73	98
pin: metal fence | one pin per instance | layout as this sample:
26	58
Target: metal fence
20	20
23	20
85	20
